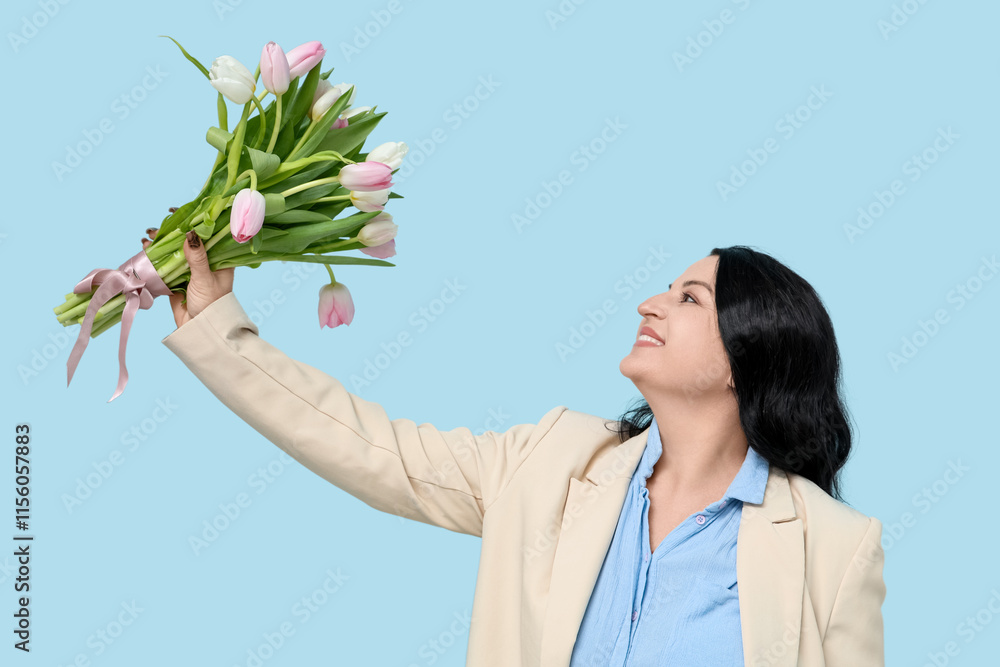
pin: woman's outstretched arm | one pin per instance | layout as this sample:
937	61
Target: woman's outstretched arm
444	478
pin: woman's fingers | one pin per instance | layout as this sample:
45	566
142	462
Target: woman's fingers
151	234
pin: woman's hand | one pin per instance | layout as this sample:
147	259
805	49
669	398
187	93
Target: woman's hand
205	285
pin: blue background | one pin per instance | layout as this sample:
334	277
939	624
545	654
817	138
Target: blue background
478	157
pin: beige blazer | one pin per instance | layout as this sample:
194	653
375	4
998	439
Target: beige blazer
545	499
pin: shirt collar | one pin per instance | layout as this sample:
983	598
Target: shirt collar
748	485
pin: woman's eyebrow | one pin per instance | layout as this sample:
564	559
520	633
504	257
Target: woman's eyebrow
695	282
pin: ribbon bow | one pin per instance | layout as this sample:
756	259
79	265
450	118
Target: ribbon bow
138	280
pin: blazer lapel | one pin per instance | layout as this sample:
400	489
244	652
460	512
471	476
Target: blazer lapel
770	573
770	560
588	524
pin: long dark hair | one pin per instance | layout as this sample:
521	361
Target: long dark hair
785	364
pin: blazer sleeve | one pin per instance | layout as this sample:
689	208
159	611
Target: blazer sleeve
855	634
444	478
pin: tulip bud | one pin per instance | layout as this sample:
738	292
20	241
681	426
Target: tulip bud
247	215
322	85
384	251
354	111
369	201
344	87
339	123
336	306
390	153
229	76
325	96
377	233
304	57
365	176
274	72
323	103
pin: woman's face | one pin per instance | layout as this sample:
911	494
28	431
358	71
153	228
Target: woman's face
692	360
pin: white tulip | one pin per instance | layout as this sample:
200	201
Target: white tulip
369	201
390	153
354	111
325	97
342	87
231	78
377	232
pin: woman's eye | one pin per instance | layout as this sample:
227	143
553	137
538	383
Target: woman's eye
685	295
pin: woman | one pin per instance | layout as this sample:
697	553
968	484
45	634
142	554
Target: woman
700	529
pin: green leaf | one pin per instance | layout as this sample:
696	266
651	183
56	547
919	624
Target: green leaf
323	125
332	209
263	163
301	237
262	121
218	138
287	99
346	139
189	57
312	194
256	242
293	113
228	248
319	259
308	173
223	112
286	139
298	216
336	259
274	203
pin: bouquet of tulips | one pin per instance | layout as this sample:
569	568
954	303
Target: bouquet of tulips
280	179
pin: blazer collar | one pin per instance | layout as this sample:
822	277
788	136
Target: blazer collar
769	553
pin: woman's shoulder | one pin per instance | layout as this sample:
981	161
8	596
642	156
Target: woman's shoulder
830	519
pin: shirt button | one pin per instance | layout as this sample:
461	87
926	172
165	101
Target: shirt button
635	615
700	519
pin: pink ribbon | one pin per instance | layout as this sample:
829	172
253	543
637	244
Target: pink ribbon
138	280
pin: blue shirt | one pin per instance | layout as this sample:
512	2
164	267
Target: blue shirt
679	605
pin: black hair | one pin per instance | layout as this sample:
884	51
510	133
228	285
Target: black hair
785	367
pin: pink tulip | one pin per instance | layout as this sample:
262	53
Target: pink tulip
339	123
384	251
247	216
366	176
336	306
304	57
274	71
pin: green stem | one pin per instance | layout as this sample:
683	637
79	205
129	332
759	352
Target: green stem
253	178
330	271
289	168
277	125
218	237
161	247
302	140
236	148
333	198
261	129
310	184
